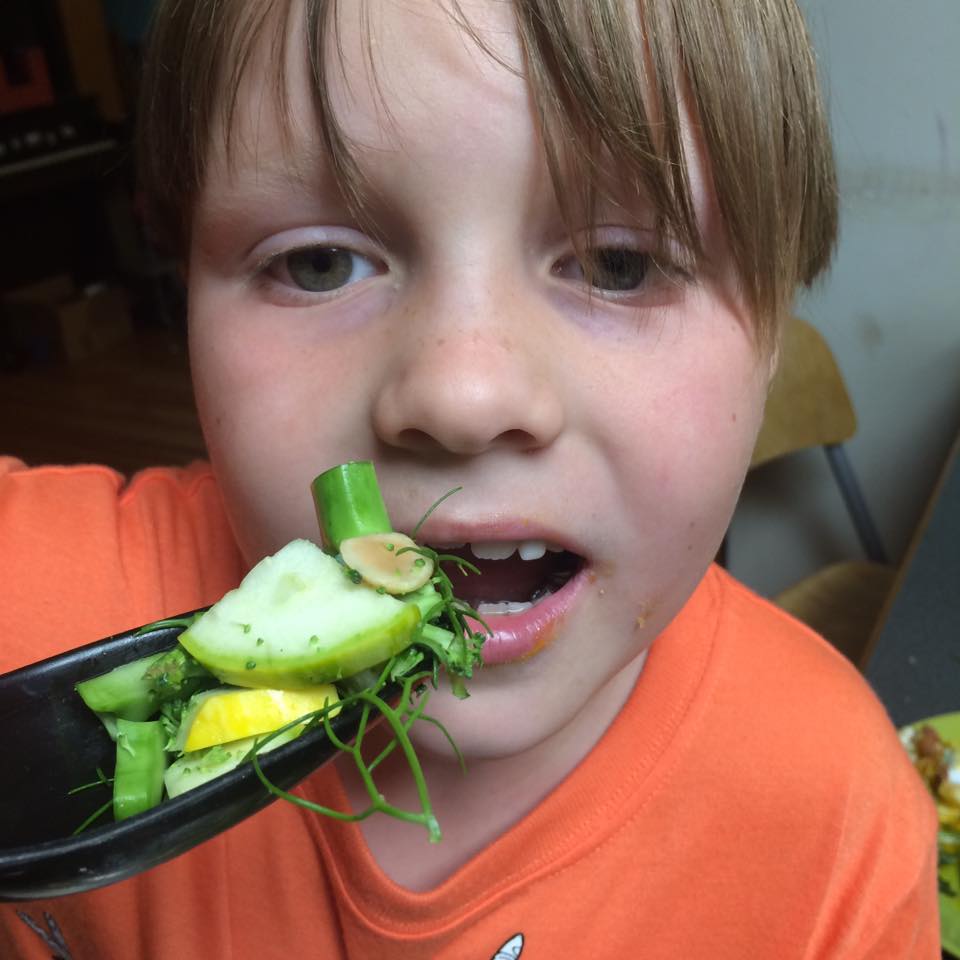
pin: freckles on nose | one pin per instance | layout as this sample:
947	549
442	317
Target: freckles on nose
465	401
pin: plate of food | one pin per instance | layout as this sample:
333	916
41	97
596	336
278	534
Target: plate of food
934	747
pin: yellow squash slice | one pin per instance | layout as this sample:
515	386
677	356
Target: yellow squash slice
222	716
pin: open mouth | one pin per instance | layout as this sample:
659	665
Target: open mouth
515	575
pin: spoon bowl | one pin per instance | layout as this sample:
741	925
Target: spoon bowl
55	743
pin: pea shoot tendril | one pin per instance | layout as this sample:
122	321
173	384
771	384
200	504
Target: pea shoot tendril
400	718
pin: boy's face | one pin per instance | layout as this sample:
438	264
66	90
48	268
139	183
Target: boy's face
459	346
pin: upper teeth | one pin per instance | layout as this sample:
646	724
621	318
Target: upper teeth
502	549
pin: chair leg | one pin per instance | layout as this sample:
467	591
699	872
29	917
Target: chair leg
856	505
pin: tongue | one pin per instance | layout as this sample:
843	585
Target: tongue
511	579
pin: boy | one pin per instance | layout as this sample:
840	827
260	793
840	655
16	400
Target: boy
541	251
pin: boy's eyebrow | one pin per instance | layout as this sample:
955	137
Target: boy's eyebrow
269	177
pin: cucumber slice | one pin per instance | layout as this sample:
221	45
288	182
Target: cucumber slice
135	690
296	620
194	769
378	559
124	691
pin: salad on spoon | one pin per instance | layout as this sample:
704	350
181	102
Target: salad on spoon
203	719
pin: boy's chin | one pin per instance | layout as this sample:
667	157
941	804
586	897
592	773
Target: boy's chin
501	720
484	727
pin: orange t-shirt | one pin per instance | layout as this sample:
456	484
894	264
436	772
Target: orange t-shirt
751	800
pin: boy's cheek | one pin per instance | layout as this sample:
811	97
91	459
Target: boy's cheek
697	427
684	469
257	426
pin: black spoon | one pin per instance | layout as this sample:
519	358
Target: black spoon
53	743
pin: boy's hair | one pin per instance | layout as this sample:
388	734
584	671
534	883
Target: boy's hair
607	78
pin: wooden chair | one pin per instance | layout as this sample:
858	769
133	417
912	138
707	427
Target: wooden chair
809	406
842	602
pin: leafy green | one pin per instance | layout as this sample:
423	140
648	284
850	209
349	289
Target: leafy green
171	715
456	647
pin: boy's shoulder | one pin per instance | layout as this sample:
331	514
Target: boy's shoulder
780	662
16	475
39	499
784	703
780	794
740	695
86	553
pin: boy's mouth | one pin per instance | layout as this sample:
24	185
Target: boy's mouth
523	592
514	575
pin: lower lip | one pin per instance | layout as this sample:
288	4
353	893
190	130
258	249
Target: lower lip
519	636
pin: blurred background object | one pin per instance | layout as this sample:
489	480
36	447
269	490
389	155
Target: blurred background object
809	408
93	362
890	307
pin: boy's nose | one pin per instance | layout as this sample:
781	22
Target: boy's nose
466	388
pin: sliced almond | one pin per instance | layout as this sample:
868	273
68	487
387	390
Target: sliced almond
377	557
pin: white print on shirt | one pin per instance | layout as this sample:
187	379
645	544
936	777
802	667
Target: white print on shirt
511	949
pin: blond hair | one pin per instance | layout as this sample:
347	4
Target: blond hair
607	78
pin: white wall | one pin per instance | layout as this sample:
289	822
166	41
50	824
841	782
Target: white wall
891	306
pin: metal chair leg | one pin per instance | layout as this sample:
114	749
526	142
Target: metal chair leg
856	505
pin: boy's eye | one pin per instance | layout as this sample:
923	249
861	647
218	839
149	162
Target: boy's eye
610	269
321	269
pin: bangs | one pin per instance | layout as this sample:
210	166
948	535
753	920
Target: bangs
196	56
607	80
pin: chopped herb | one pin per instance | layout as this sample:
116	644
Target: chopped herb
250	665
176	674
171	713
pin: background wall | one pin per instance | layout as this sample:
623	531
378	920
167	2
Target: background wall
891	306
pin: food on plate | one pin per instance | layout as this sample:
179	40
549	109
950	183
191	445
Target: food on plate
935	759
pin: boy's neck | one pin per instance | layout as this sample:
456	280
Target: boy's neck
477	807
